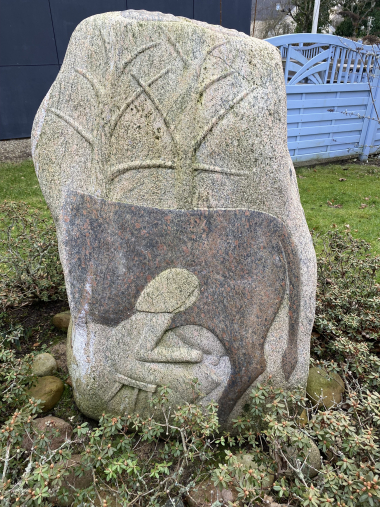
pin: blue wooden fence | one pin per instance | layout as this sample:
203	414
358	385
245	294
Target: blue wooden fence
332	88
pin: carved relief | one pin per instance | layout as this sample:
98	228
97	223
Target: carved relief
186	136
214	284
147	342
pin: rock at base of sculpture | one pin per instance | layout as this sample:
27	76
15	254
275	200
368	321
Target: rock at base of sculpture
44	364
161	150
61	320
49	390
55	429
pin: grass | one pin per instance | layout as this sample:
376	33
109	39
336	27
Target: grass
358	196
18	182
357	199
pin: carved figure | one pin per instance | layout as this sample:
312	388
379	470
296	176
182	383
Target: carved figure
146	349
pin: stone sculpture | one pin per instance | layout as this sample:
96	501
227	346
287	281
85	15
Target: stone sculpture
161	150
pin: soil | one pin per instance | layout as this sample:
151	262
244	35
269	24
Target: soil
36	321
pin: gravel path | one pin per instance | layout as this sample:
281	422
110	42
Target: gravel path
15	150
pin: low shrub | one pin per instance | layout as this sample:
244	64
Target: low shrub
348	297
284	446
145	462
15	373
346	436
29	262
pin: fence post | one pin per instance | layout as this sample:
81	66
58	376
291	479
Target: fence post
374	121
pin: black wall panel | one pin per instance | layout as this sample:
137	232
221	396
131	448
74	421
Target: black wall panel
176	7
208	10
26	33
34	35
22	89
237	14
67	14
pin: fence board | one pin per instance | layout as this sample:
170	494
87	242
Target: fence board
337	118
323	156
316	143
314	118
329	102
351	127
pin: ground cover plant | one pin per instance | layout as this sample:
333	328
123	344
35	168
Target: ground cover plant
29	260
272	451
145	462
348	295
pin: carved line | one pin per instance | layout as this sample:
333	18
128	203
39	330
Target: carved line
230	65
151	388
134	399
131	166
137	94
105	46
99	90
137	185
113	392
203	59
86	136
216	80
220	116
138	52
216	169
120	169
156	105
177	49
213	49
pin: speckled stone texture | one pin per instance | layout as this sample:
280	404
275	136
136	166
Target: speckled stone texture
161	150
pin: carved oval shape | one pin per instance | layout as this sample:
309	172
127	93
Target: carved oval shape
172	291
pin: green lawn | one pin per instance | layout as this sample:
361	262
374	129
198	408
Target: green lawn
359	198
18	182
319	186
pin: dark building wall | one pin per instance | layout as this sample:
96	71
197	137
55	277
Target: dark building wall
34	35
